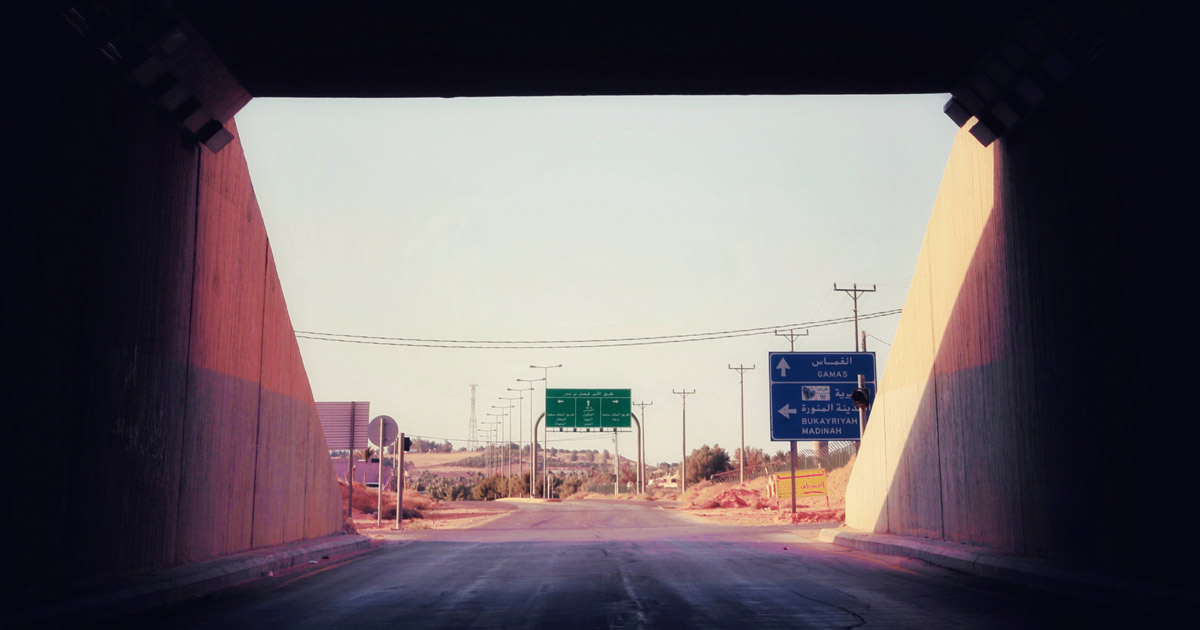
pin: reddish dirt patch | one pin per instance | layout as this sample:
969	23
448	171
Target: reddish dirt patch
756	504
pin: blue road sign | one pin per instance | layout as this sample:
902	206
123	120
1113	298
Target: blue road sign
822	367
810	394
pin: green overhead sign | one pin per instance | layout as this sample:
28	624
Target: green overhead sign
588	409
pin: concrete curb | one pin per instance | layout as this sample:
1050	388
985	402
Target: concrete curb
1019	570
150	590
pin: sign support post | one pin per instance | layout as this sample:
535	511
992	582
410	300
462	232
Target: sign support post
350	468
862	419
387	428
400	486
793	478
617	466
379	490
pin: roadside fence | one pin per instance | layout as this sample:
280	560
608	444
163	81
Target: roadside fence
837	455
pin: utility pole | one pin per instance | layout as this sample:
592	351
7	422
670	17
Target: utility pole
854	292
683	461
545	432
791	335
642	446
741	369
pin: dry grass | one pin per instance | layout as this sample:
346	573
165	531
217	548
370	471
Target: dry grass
366	501
430	460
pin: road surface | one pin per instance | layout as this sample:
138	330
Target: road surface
627	564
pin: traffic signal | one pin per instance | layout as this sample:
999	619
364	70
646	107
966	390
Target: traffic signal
861	397
407	444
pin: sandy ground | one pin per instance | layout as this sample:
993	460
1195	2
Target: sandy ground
754	504
726	503
442	515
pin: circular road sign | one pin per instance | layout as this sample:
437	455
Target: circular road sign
390	430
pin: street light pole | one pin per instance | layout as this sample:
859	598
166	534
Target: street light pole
508	446
503	419
683	461
532	434
520	429
491	467
642	446
742	384
546	432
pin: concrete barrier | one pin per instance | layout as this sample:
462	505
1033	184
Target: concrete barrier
1022	407
160	413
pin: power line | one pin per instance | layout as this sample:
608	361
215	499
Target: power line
617	342
544	341
879	340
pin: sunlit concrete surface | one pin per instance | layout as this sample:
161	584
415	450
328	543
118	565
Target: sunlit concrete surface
1018	411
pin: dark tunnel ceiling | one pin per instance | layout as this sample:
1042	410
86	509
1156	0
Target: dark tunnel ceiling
524	48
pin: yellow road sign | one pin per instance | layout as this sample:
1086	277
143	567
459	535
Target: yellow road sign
808	483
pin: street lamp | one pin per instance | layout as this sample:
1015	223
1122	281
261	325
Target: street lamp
520	431
546	431
532	433
508	445
642	445
500	435
491	456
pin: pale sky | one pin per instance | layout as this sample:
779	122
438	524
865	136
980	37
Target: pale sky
588	218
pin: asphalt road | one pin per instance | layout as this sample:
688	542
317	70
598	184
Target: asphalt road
624	564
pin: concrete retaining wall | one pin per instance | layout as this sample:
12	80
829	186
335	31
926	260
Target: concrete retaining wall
159	411
1024	406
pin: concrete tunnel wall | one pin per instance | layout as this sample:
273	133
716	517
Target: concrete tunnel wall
159	411
1026	404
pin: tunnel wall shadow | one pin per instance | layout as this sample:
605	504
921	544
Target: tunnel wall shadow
1026	405
160	412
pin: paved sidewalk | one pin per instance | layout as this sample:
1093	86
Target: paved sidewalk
1022	571
145	591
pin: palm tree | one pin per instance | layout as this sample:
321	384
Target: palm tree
367	453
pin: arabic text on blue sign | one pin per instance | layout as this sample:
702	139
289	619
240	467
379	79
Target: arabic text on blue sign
822	367
811	394
824	412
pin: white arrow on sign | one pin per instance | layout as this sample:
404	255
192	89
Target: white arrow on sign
783	366
787	411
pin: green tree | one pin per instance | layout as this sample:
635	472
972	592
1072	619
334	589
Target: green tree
555	485
490	489
705	462
571	485
519	484
754	457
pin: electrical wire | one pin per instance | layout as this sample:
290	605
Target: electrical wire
613	342
879	340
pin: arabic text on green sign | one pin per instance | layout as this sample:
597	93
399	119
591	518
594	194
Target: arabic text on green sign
588	408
